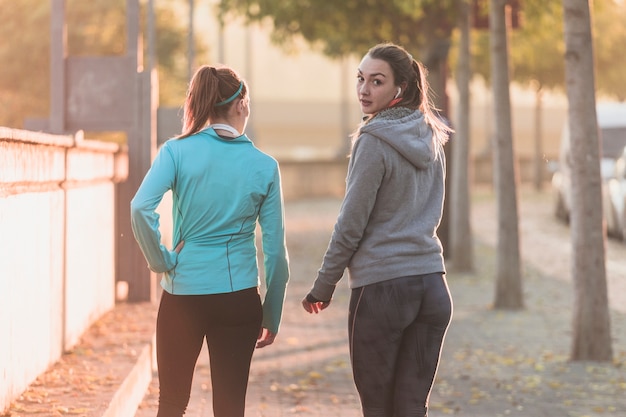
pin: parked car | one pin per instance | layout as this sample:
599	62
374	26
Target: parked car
612	134
616	198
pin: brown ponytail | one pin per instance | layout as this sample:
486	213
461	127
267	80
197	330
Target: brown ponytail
208	88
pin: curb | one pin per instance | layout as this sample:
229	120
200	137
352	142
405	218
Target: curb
126	400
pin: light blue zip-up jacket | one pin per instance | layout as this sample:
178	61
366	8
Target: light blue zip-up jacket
220	189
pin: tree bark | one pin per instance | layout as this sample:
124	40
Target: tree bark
436	61
591	320
460	229
538	159
508	294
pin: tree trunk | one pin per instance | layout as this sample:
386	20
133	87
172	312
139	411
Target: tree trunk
538	159
436	61
508	294
591	320
460	230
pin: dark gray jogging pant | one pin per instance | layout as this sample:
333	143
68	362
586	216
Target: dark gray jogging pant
396	332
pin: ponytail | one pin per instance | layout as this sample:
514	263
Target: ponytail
441	128
210	95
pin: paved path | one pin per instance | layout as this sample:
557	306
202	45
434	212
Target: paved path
494	363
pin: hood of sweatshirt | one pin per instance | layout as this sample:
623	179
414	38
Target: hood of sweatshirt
406	131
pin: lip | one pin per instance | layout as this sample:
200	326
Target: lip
365	103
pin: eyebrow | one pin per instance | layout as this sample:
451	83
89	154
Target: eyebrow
374	74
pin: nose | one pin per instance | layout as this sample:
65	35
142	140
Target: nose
362	89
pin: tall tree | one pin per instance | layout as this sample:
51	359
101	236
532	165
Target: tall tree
460	226
508	294
591	320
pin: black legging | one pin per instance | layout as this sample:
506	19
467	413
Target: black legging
397	329
230	323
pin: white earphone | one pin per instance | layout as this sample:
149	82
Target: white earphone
399	91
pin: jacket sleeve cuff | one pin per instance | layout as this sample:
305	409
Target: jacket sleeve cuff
321	291
311	299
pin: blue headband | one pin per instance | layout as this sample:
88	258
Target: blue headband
231	98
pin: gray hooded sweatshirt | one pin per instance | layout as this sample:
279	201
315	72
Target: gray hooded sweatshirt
387	225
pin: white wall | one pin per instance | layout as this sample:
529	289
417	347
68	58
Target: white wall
57	246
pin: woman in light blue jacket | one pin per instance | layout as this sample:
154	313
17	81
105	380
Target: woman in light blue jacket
222	186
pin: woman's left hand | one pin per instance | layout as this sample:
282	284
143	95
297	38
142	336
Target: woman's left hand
314	308
265	338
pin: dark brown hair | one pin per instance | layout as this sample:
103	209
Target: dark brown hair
207	98
416	94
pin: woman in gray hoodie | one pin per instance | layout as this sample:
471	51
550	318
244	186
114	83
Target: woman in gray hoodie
386	236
